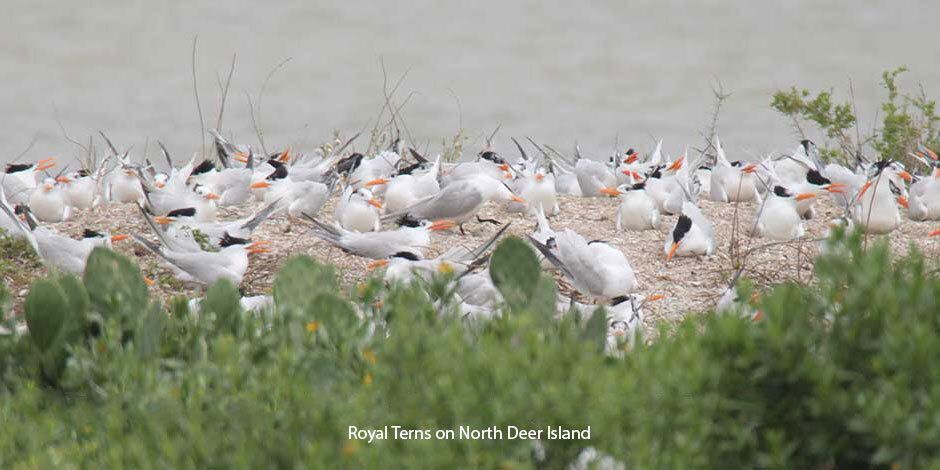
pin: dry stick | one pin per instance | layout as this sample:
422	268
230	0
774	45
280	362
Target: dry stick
264	85
202	123
228	81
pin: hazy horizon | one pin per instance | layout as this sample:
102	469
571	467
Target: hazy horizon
594	74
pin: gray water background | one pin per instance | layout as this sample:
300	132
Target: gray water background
592	72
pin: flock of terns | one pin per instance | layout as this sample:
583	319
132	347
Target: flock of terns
392	202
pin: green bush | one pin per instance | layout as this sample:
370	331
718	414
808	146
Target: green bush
836	375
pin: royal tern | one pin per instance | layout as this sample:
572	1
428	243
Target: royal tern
732	181
20	179
358	210
594	268
637	210
876	205
693	234
49	203
56	250
182	228
458	201
207	267
80	188
778	218
379	244
408	187
924	201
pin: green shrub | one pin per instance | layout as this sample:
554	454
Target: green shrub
834	375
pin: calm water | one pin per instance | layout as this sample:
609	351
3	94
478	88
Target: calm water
595	73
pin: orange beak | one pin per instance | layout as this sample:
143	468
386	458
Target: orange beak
375	202
906	176
379	263
260	185
160	185
672	251
676	165
212	196
442	225
903	202
751	168
504	167
654	297
258	247
758	316
117	238
518	199
539	177
284	157
804	196
376	182
932	154
935	233
163	220
507	176
241	157
632	158
864	188
150	282
45	164
47	187
610	191
62	179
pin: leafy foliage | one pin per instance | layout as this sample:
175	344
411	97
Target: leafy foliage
907	121
836	375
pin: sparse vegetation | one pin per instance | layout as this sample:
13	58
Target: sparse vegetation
907	121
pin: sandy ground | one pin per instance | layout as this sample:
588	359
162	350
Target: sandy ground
689	284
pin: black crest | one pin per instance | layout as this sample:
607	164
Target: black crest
279	173
619	300
683	225
493	157
597	241
83	172
409	169
813	176
406	255
780	191
87	233
184	212
349	164
18	167
630	152
228	240
638	186
20	209
408	220
204	167
656	173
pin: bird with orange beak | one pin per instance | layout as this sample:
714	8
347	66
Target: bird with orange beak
778	218
380	244
924	200
358	210
58	251
49	203
81	189
207	267
20	179
875	207
407	187
693	234
733	181
637	210
459	201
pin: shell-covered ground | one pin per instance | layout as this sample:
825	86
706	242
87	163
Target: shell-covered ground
689	284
